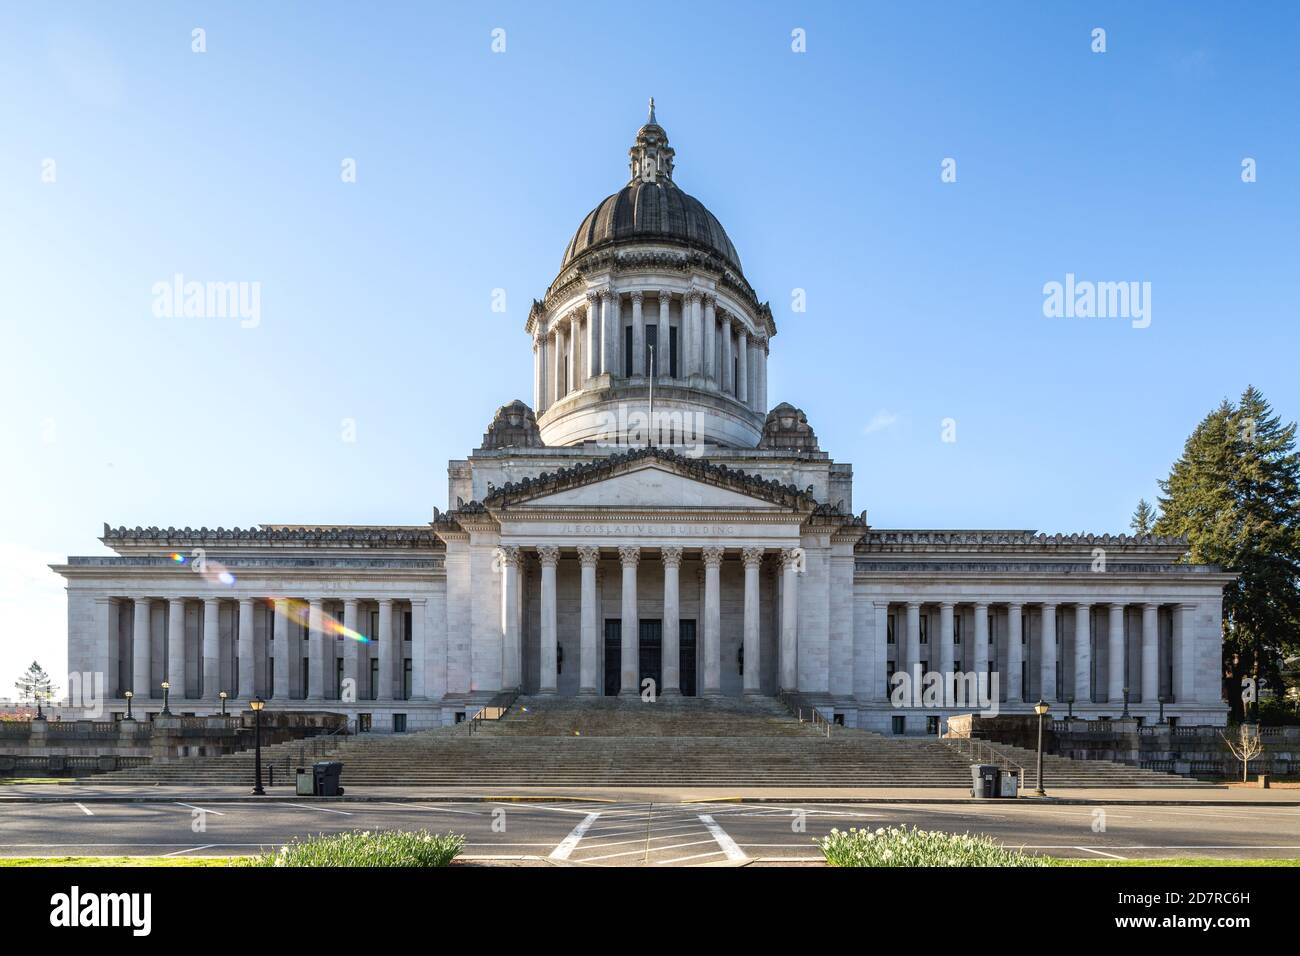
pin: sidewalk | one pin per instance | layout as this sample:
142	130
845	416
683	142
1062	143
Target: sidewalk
1182	796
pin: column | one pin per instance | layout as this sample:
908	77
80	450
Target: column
762	376
1185	654
630	645
537	376
710	341
572	340
351	691
1116	655
593	334
742	367
913	636
982	646
692	322
789	619
176	647
385	650
280	630
712	622
1150	655
728	366
1082	654
638	335
140	649
589	624
507	565
420	647
611	335
672	561
753	560
663	354
247	667
560	385
549	557
1047	653
945	651
1015	652
211	649
316	637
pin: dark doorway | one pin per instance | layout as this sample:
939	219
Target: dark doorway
652	654
613	655
686	656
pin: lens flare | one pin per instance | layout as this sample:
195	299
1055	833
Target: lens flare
300	613
178	558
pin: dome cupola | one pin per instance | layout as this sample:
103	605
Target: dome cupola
650	333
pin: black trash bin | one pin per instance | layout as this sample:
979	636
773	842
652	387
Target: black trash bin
984	781
328	774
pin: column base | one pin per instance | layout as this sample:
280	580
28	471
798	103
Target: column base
547	692
753	692
711	692
671	692
587	692
629	693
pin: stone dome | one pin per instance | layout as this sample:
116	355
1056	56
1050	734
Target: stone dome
651	207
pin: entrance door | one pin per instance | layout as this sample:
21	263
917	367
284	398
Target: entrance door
686	656
613	656
652	654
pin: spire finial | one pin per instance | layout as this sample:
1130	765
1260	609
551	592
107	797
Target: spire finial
652	110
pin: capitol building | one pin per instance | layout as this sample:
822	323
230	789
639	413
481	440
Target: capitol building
649	526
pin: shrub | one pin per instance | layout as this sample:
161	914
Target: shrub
901	846
358	848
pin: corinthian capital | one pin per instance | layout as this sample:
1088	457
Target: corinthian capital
549	555
671	557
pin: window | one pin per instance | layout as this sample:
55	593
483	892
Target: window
407	629
889	629
303	673
374	679
406	679
889	677
672	352
399	723
338	679
838	720
956	629
363	723
925	629
653	366
627	351
270	676
932	726
899	724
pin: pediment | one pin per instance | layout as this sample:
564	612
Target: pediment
651	486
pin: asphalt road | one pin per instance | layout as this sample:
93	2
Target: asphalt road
653	834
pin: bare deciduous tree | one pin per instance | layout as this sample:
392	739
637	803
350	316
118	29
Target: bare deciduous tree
1246	747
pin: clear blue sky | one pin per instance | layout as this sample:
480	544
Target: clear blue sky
924	298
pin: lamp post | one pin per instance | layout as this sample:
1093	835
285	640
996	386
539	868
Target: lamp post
166	689
1041	708
1125	714
1161	698
40	714
257	704
1069	715
128	695
223	695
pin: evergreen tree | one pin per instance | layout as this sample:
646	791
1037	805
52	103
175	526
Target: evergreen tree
1144	518
34	683
1235	494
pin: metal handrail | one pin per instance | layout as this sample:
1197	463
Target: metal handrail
798	706
984	752
494	709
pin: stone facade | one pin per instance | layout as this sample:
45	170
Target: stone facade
647	519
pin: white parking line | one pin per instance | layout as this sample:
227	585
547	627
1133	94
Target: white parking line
215	813
303	806
640	851
567	845
416	806
724	840
85	810
191	849
1088	849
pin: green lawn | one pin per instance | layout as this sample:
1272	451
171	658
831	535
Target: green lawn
1176	861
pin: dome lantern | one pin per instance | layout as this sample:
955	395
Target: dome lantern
650	159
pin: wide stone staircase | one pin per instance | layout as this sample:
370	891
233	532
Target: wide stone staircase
611	742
